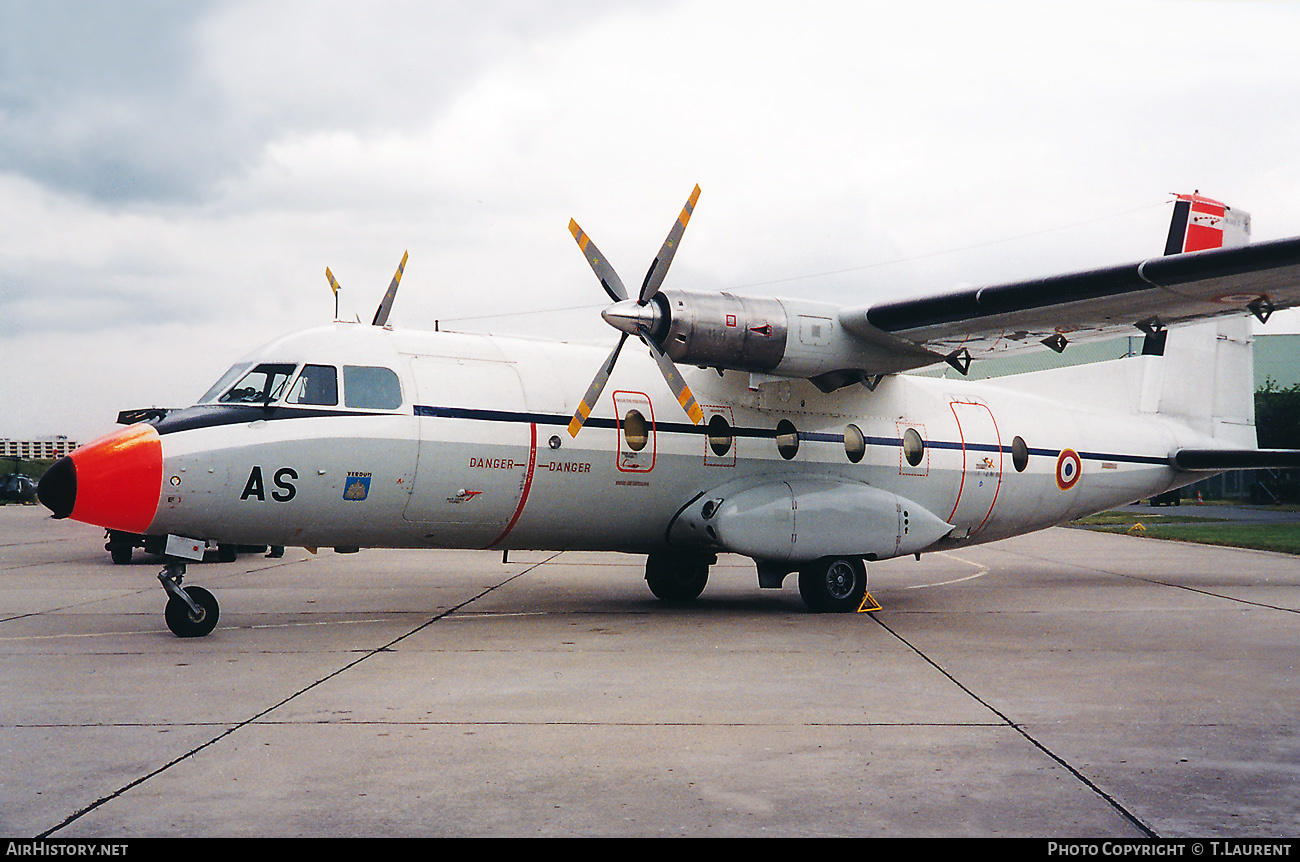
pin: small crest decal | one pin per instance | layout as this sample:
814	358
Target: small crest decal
357	486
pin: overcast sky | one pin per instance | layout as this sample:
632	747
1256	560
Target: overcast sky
175	177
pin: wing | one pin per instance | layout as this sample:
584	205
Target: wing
1148	295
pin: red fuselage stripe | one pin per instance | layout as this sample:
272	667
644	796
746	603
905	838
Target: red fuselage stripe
528	484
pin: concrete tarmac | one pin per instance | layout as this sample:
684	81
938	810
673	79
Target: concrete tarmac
1067	684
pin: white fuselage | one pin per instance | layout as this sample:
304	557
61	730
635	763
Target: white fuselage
477	455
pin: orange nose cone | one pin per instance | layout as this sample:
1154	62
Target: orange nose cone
113	482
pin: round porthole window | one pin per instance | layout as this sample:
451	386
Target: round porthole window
913	447
855	444
719	435
636	431
787	439
1019	454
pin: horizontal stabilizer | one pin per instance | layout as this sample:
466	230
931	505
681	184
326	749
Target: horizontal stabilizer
1234	459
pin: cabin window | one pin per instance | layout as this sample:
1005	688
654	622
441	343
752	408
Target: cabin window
1019	454
913	446
855	444
317	384
371	387
787	439
262	385
636	431
719	434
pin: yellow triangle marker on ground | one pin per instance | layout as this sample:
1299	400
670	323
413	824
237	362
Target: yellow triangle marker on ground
868	600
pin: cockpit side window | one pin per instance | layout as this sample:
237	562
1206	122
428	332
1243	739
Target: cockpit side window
371	387
262	385
317	384
236	371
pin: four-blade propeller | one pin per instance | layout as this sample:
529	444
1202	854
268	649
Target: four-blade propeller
635	317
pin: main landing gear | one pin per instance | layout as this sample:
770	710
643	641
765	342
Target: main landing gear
678	576
191	611
827	586
833	585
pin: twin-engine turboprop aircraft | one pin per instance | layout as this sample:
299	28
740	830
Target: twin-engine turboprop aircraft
779	429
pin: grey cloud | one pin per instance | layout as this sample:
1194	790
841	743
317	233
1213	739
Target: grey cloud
158	101
103	100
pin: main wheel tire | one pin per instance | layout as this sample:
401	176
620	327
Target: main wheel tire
184	623
676	577
833	585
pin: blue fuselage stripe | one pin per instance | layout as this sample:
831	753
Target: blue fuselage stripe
486	415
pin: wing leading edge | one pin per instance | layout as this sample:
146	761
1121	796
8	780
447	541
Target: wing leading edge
1054	311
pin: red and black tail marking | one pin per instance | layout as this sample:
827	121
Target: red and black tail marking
1200	223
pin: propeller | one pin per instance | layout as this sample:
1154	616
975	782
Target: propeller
636	317
385	305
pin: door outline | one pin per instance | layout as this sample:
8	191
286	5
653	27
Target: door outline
630	461
978	464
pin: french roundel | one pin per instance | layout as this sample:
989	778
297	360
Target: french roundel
1068	469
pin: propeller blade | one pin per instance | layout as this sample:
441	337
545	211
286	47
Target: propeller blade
334	286
593	391
676	382
608	277
386	305
655	275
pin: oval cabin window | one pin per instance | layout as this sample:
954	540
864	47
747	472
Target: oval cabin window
719	435
913	447
787	439
855	444
636	431
1019	454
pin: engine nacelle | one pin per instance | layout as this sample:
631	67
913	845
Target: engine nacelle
781	337
723	330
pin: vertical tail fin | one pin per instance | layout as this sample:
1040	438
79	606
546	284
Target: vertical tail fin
1200	223
1207	379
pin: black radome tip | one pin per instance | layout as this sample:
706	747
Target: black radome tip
57	489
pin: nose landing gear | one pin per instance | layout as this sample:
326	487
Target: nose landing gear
191	612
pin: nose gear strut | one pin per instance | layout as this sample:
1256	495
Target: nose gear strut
191	612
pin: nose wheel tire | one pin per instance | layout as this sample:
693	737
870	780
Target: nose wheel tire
186	623
833	585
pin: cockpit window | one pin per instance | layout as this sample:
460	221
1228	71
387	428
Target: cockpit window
262	385
236	371
371	387
317	384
